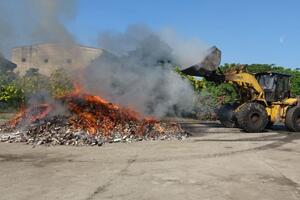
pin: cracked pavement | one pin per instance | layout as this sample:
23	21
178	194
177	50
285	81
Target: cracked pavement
215	163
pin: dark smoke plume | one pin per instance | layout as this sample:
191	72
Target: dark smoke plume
139	72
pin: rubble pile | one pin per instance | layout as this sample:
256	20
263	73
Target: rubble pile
89	120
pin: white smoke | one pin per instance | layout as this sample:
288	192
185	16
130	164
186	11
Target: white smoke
187	51
26	22
34	21
6	28
142	74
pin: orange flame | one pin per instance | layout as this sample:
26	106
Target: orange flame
95	113
92	113
31	114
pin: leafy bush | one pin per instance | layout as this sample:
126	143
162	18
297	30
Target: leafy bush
11	96
59	82
219	94
196	83
17	90
33	83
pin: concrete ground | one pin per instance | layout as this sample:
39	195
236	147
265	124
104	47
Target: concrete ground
215	164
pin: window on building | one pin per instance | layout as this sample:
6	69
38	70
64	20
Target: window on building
23	59
46	60
69	61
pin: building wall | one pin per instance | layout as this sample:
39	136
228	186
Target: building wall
51	56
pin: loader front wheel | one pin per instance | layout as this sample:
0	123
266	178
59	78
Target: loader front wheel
252	117
292	119
226	115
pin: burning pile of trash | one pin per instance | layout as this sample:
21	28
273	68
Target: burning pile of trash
89	120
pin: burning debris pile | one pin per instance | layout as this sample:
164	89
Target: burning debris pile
90	120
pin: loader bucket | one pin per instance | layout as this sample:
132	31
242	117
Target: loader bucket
208	66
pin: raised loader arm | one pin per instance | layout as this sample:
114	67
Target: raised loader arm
209	69
247	81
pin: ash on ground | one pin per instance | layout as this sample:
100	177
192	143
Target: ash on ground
58	130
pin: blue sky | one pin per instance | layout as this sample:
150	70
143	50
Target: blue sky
247	31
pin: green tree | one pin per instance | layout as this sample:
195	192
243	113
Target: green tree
222	93
60	83
197	83
11	96
257	68
33	82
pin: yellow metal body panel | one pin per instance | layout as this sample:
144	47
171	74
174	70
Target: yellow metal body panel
290	101
276	111
247	81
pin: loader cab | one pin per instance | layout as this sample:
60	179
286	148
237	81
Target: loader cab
275	85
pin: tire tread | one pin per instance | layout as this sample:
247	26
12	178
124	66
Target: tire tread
243	112
290	119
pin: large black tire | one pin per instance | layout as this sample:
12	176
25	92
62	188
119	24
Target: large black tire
226	115
292	119
252	117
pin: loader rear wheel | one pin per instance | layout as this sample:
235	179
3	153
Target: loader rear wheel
226	115
292	119
252	117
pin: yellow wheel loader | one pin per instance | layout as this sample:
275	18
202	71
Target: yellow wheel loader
264	98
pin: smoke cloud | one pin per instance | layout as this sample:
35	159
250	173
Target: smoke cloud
26	22
35	21
186	51
138	71
6	34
